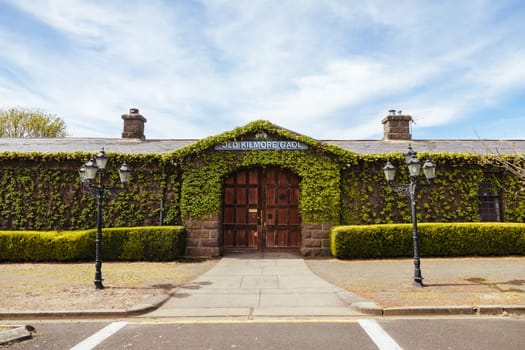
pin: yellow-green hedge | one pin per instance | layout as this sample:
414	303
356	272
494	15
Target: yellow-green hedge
435	239
149	243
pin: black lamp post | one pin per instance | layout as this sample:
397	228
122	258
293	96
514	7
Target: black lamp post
88	174
411	190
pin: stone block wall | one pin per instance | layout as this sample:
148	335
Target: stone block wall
315	239
203	237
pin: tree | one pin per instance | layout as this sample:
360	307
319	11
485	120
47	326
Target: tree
511	163
30	123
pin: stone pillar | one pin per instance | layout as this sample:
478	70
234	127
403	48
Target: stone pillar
397	126
133	125
315	239
203	237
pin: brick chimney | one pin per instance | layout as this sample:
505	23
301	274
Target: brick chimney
397	126
133	125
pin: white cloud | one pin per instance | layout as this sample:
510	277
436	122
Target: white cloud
198	68
506	72
342	84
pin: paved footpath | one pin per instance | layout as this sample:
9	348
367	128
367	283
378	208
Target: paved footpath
259	286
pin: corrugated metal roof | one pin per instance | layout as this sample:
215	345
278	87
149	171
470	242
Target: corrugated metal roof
137	146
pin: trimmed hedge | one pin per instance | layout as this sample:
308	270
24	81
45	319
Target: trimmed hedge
149	243
435	239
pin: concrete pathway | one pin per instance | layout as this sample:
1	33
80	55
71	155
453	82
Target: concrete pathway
259	285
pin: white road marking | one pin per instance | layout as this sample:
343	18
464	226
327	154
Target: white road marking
100	336
378	335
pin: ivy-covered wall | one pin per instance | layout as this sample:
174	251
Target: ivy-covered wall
366	198
204	170
513	188
41	191
454	196
320	194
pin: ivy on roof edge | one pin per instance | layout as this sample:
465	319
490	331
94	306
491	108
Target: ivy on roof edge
252	128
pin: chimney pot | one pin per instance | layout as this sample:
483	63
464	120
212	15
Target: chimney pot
397	126
133	125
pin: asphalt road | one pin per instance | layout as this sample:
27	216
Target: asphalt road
386	333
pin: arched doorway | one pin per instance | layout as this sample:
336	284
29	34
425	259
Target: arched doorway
261	211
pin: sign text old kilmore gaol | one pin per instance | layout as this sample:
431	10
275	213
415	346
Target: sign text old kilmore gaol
265	145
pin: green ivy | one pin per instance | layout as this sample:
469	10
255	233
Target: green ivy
204	171
367	199
41	191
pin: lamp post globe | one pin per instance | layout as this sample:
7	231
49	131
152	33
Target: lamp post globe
429	169
390	172
102	160
91	170
414	166
124	173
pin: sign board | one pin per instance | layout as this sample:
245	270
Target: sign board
267	145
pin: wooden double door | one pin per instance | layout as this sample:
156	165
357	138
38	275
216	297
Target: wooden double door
261	211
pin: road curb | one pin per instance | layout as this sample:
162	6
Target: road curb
429	310
501	309
454	310
148	305
356	303
367	307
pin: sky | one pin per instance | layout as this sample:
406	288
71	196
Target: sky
330	69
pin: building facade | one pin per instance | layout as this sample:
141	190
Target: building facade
259	187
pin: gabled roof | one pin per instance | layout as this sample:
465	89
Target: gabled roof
254	130
137	146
